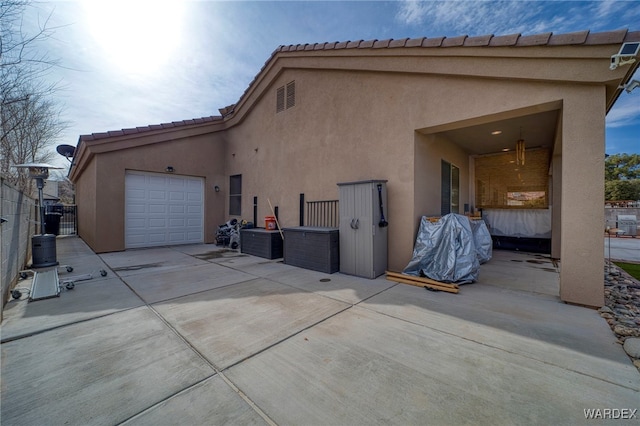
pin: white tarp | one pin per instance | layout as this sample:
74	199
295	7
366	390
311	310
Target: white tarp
532	223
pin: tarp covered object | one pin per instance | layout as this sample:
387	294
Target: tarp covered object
450	250
482	240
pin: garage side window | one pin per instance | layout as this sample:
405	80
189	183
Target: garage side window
235	195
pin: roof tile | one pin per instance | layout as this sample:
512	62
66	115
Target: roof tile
567	39
414	42
454	41
580	37
398	43
505	40
380	44
432	42
632	36
534	40
367	44
478	41
608	37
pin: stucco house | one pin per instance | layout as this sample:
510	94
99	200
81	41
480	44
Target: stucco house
439	118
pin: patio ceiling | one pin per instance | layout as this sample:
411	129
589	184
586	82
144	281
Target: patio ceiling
537	130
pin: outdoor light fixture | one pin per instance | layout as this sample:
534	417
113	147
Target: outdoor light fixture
216	188
39	172
169	169
496	132
626	55
520	150
630	86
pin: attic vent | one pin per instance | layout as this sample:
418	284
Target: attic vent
280	99
290	97
291	94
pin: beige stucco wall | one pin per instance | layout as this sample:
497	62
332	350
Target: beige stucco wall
349	126
582	215
86	193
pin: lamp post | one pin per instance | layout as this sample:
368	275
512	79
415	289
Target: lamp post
43	246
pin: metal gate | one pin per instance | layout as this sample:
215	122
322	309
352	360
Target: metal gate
69	220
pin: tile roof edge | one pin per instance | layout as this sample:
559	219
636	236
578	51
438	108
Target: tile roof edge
150	128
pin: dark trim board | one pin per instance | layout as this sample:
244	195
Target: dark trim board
531	245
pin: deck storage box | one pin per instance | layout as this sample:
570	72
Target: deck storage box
312	248
261	242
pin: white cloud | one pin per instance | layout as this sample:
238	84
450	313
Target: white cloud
626	111
508	17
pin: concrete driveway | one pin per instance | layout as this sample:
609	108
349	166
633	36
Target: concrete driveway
198	335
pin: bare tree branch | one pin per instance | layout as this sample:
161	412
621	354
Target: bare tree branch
30	118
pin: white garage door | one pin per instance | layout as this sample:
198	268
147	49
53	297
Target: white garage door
163	209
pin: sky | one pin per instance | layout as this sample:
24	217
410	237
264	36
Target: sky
130	63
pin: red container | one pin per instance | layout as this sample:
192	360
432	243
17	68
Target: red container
270	223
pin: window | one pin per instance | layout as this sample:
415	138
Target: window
502	184
450	192
289	97
235	195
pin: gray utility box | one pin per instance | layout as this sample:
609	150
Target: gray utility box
363	241
312	248
261	242
628	223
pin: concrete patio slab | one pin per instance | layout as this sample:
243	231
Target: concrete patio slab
542	329
89	299
101	371
240	260
263	268
291	349
209	402
208	251
528	272
168	284
69	247
229	324
362	367
140	261
337	286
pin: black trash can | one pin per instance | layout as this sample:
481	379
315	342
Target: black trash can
52	223
43	251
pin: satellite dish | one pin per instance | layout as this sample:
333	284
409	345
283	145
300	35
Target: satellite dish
66	151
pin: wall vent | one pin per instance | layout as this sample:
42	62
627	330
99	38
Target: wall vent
280	99
286	100
291	94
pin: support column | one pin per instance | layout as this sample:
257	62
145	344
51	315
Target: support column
582	204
